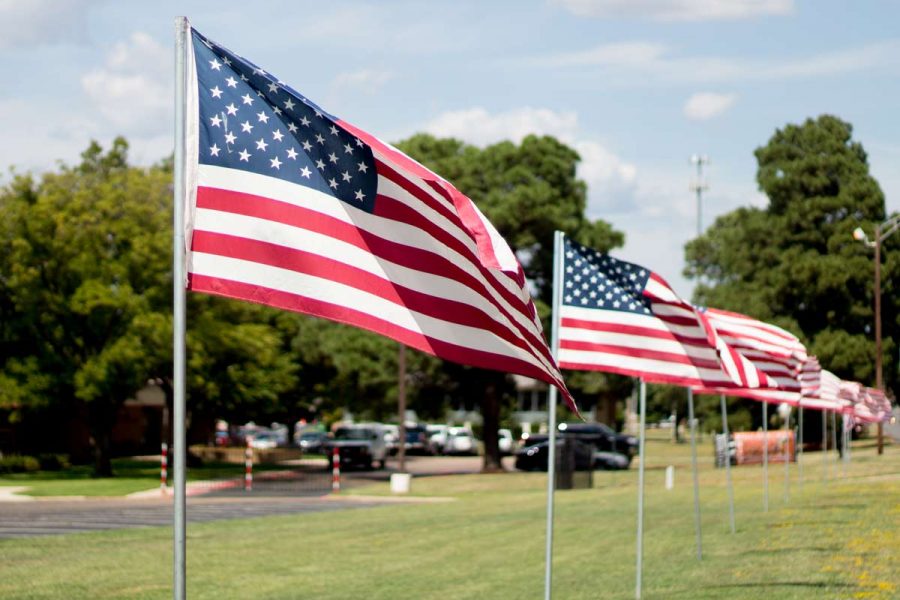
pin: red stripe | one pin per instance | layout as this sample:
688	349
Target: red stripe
647	353
342	314
646	376
413	258
636	330
316	265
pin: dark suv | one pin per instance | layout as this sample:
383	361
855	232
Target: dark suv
602	437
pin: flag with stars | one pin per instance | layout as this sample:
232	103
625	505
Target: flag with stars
619	317
771	349
291	207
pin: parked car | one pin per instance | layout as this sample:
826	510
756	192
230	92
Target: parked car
534	457
358	446
311	441
460	440
602	437
417	440
437	437
505	441
265	440
391	434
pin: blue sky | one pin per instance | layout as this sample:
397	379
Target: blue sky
635	86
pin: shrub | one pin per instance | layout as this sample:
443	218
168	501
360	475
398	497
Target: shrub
54	462
15	463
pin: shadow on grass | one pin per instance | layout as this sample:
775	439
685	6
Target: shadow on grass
764	585
793	549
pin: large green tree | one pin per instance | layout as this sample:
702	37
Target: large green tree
528	191
84	266
85	306
795	262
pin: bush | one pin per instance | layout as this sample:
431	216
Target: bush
54	462
15	463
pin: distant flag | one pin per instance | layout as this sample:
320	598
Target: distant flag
820	389
773	350
619	317
291	207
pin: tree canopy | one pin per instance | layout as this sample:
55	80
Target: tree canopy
795	262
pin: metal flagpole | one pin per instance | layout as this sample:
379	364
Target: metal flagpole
728	462
787	459
834	436
558	238
697	528
824	446
800	445
640	518
179	311
766	456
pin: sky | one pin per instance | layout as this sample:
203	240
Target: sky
635	86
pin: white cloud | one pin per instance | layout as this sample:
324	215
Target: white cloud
706	105
368	81
678	10
134	90
37	22
611	180
643	62
477	126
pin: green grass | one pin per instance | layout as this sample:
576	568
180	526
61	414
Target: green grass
834	540
131	476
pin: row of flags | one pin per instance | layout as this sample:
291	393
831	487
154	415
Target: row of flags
292	207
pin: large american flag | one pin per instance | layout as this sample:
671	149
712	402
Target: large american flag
619	317
819	389
291	207
773	350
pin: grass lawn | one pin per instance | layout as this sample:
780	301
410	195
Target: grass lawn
131	476
834	540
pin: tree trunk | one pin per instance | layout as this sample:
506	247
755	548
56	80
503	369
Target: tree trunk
102	416
490	413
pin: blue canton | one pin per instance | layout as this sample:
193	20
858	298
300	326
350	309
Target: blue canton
253	122
592	279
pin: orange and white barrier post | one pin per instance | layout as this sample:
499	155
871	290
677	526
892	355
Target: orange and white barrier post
335	470
164	468
248	468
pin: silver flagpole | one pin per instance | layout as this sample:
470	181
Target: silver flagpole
834	438
640	517
766	456
697	527
179	311
800	445
728	462
558	238
824	446
787	459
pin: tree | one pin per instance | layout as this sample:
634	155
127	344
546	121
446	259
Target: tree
528	191
85	262
795	263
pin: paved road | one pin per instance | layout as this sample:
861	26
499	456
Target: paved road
275	497
54	517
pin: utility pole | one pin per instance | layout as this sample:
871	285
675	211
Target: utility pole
698	187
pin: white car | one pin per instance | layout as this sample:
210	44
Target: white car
437	437
264	441
460	441
505	441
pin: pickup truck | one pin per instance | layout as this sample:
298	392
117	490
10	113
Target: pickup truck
358	446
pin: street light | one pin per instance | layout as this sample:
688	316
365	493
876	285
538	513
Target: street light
882	231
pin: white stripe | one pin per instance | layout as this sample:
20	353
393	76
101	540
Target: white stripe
310	199
627	340
325	290
646	365
254	228
633	320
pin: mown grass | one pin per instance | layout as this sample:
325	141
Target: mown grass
839	539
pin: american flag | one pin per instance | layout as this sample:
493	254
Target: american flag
819	389
291	207
773	350
619	317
